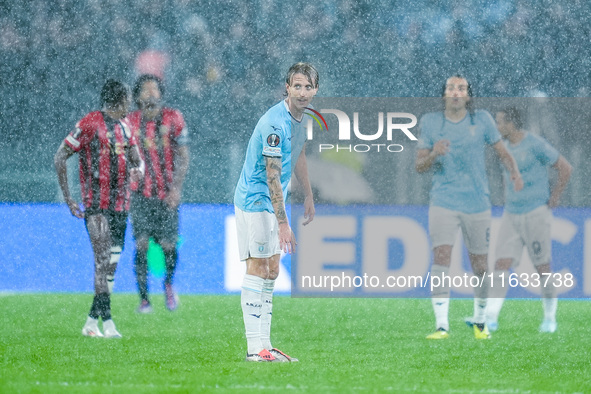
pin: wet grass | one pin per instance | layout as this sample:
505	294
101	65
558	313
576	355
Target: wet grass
343	345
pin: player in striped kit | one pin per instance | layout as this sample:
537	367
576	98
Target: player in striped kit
162	138
109	161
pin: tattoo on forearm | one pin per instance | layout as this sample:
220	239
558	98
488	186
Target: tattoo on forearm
275	191
275	165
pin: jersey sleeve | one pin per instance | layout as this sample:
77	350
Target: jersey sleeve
425	134
272	138
82	134
545	152
491	133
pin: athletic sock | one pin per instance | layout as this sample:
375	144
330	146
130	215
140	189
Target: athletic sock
267	312
91	320
252	287
170	258
104	305
549	301
94	309
440	296
498	292
141	273
480	299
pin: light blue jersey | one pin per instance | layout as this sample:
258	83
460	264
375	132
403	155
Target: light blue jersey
533	155
459	180
277	134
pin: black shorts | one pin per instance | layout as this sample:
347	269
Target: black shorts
117	223
152	217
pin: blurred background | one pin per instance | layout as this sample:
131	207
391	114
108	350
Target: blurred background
224	61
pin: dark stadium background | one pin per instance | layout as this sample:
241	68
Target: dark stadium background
227	60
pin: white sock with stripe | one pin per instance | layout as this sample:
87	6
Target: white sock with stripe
440	297
549	301
480	299
267	313
498	292
252	288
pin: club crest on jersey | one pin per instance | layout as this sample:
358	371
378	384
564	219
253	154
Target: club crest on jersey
273	140
119	148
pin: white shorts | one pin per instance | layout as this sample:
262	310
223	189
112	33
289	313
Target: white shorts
444	225
532	230
258	234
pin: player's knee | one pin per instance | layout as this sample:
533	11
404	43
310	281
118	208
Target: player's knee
544	269
503	264
479	263
257	267
273	274
168	247
442	255
274	267
141	244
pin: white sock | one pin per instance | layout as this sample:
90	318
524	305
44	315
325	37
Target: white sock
91	322
267	313
550	306
252	287
549	301
480	300
498	292
440	297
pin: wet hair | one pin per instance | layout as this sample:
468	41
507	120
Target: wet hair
306	69
513	115
470	103
457	75
113	93
139	83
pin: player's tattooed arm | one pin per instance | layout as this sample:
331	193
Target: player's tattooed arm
287	241
273	165
64	152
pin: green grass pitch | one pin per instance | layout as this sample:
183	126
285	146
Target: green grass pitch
344	345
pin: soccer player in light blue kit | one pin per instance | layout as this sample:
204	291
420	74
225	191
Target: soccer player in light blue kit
527	218
261	221
453	143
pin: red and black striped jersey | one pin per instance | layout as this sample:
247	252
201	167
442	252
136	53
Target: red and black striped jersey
103	145
158	140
